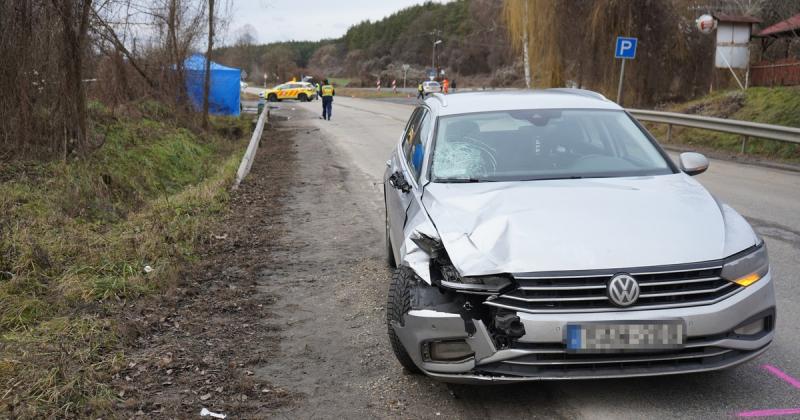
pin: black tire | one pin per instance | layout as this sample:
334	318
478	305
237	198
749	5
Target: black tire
389	251
303	97
398	304
272	97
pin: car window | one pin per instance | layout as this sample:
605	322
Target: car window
629	148
417	150
543	144
411	129
281	87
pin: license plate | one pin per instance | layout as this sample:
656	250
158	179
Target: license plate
599	337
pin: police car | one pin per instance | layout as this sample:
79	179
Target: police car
301	91
431	87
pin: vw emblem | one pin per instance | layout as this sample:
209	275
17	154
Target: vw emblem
623	290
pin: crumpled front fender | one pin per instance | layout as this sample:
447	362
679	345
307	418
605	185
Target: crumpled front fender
418	226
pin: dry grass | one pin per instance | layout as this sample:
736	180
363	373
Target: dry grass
74	241
371	93
780	106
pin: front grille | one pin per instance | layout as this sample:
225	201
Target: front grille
555	364
668	287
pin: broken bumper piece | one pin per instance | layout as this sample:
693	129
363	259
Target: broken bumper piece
434	339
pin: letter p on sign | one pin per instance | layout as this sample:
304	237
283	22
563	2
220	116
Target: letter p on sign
626	47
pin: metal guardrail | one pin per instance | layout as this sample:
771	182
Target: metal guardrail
745	129
252	147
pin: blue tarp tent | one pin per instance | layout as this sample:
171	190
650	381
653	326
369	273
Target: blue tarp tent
224	95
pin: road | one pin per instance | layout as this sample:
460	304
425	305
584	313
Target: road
363	132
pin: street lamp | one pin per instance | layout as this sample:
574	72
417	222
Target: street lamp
433	55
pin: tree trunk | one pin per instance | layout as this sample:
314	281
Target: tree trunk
74	100
173	49
207	74
526	59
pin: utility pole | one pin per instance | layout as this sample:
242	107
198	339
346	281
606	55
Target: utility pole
435	34
405	70
433	54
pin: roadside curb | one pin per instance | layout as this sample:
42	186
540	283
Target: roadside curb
737	159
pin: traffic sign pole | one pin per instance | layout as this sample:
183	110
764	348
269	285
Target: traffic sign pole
621	76
625	50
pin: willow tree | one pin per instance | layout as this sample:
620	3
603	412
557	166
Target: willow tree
533	27
574	41
671	58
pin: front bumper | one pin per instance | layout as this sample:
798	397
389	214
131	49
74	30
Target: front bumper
540	354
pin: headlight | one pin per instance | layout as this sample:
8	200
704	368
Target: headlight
449	276
749	268
479	283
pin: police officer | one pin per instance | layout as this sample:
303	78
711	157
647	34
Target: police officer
420	91
327	99
319	90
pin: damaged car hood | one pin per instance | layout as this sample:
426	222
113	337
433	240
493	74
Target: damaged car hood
582	224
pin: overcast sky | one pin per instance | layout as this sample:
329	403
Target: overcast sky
309	20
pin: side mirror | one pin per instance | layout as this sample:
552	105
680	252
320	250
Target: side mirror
693	163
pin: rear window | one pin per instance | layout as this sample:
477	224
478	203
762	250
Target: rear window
543	144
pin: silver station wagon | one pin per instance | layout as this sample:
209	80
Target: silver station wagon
546	235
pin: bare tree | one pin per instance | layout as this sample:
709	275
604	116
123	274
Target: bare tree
171	29
74	19
207	73
245	36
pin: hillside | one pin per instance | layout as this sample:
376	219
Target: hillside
475	45
482	46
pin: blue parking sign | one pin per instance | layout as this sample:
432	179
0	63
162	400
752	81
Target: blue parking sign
626	47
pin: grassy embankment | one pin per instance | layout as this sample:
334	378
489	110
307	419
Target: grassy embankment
339	82
74	242
780	106
370	93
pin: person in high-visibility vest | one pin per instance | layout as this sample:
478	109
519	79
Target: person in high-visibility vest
319	90
327	99
445	86
420	92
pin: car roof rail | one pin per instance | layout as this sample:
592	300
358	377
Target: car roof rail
581	92
441	98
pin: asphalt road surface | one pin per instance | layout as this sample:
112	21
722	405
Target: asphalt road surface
363	133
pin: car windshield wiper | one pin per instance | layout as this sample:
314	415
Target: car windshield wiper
564	177
552	178
461	180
